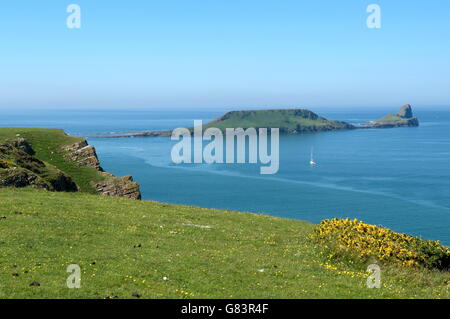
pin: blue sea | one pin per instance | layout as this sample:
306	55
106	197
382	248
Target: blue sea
398	178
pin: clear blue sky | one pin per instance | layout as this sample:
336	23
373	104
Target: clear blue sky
215	53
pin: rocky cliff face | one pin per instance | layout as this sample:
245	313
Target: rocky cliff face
23	145
405	112
118	186
85	155
82	154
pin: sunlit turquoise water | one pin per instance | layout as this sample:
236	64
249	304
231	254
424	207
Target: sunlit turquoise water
399	178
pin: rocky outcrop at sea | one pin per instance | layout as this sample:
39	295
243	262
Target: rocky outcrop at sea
405	112
404	118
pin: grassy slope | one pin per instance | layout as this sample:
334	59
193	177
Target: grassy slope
288	119
47	145
54	230
392	119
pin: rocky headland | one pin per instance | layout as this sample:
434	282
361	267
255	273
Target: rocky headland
21	167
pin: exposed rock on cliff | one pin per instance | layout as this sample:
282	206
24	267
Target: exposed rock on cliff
63	183
23	145
85	155
19	177
118	186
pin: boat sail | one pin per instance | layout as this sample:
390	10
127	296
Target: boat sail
311	161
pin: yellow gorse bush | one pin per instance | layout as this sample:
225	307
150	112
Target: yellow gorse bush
384	244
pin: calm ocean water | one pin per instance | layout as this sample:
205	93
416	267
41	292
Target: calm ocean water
399	178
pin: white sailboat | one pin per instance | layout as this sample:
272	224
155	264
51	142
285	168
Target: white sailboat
311	161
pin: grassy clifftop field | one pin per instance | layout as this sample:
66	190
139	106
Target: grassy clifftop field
143	249
155	250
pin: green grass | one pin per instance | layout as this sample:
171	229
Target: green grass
43	232
392	119
47	145
287	120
